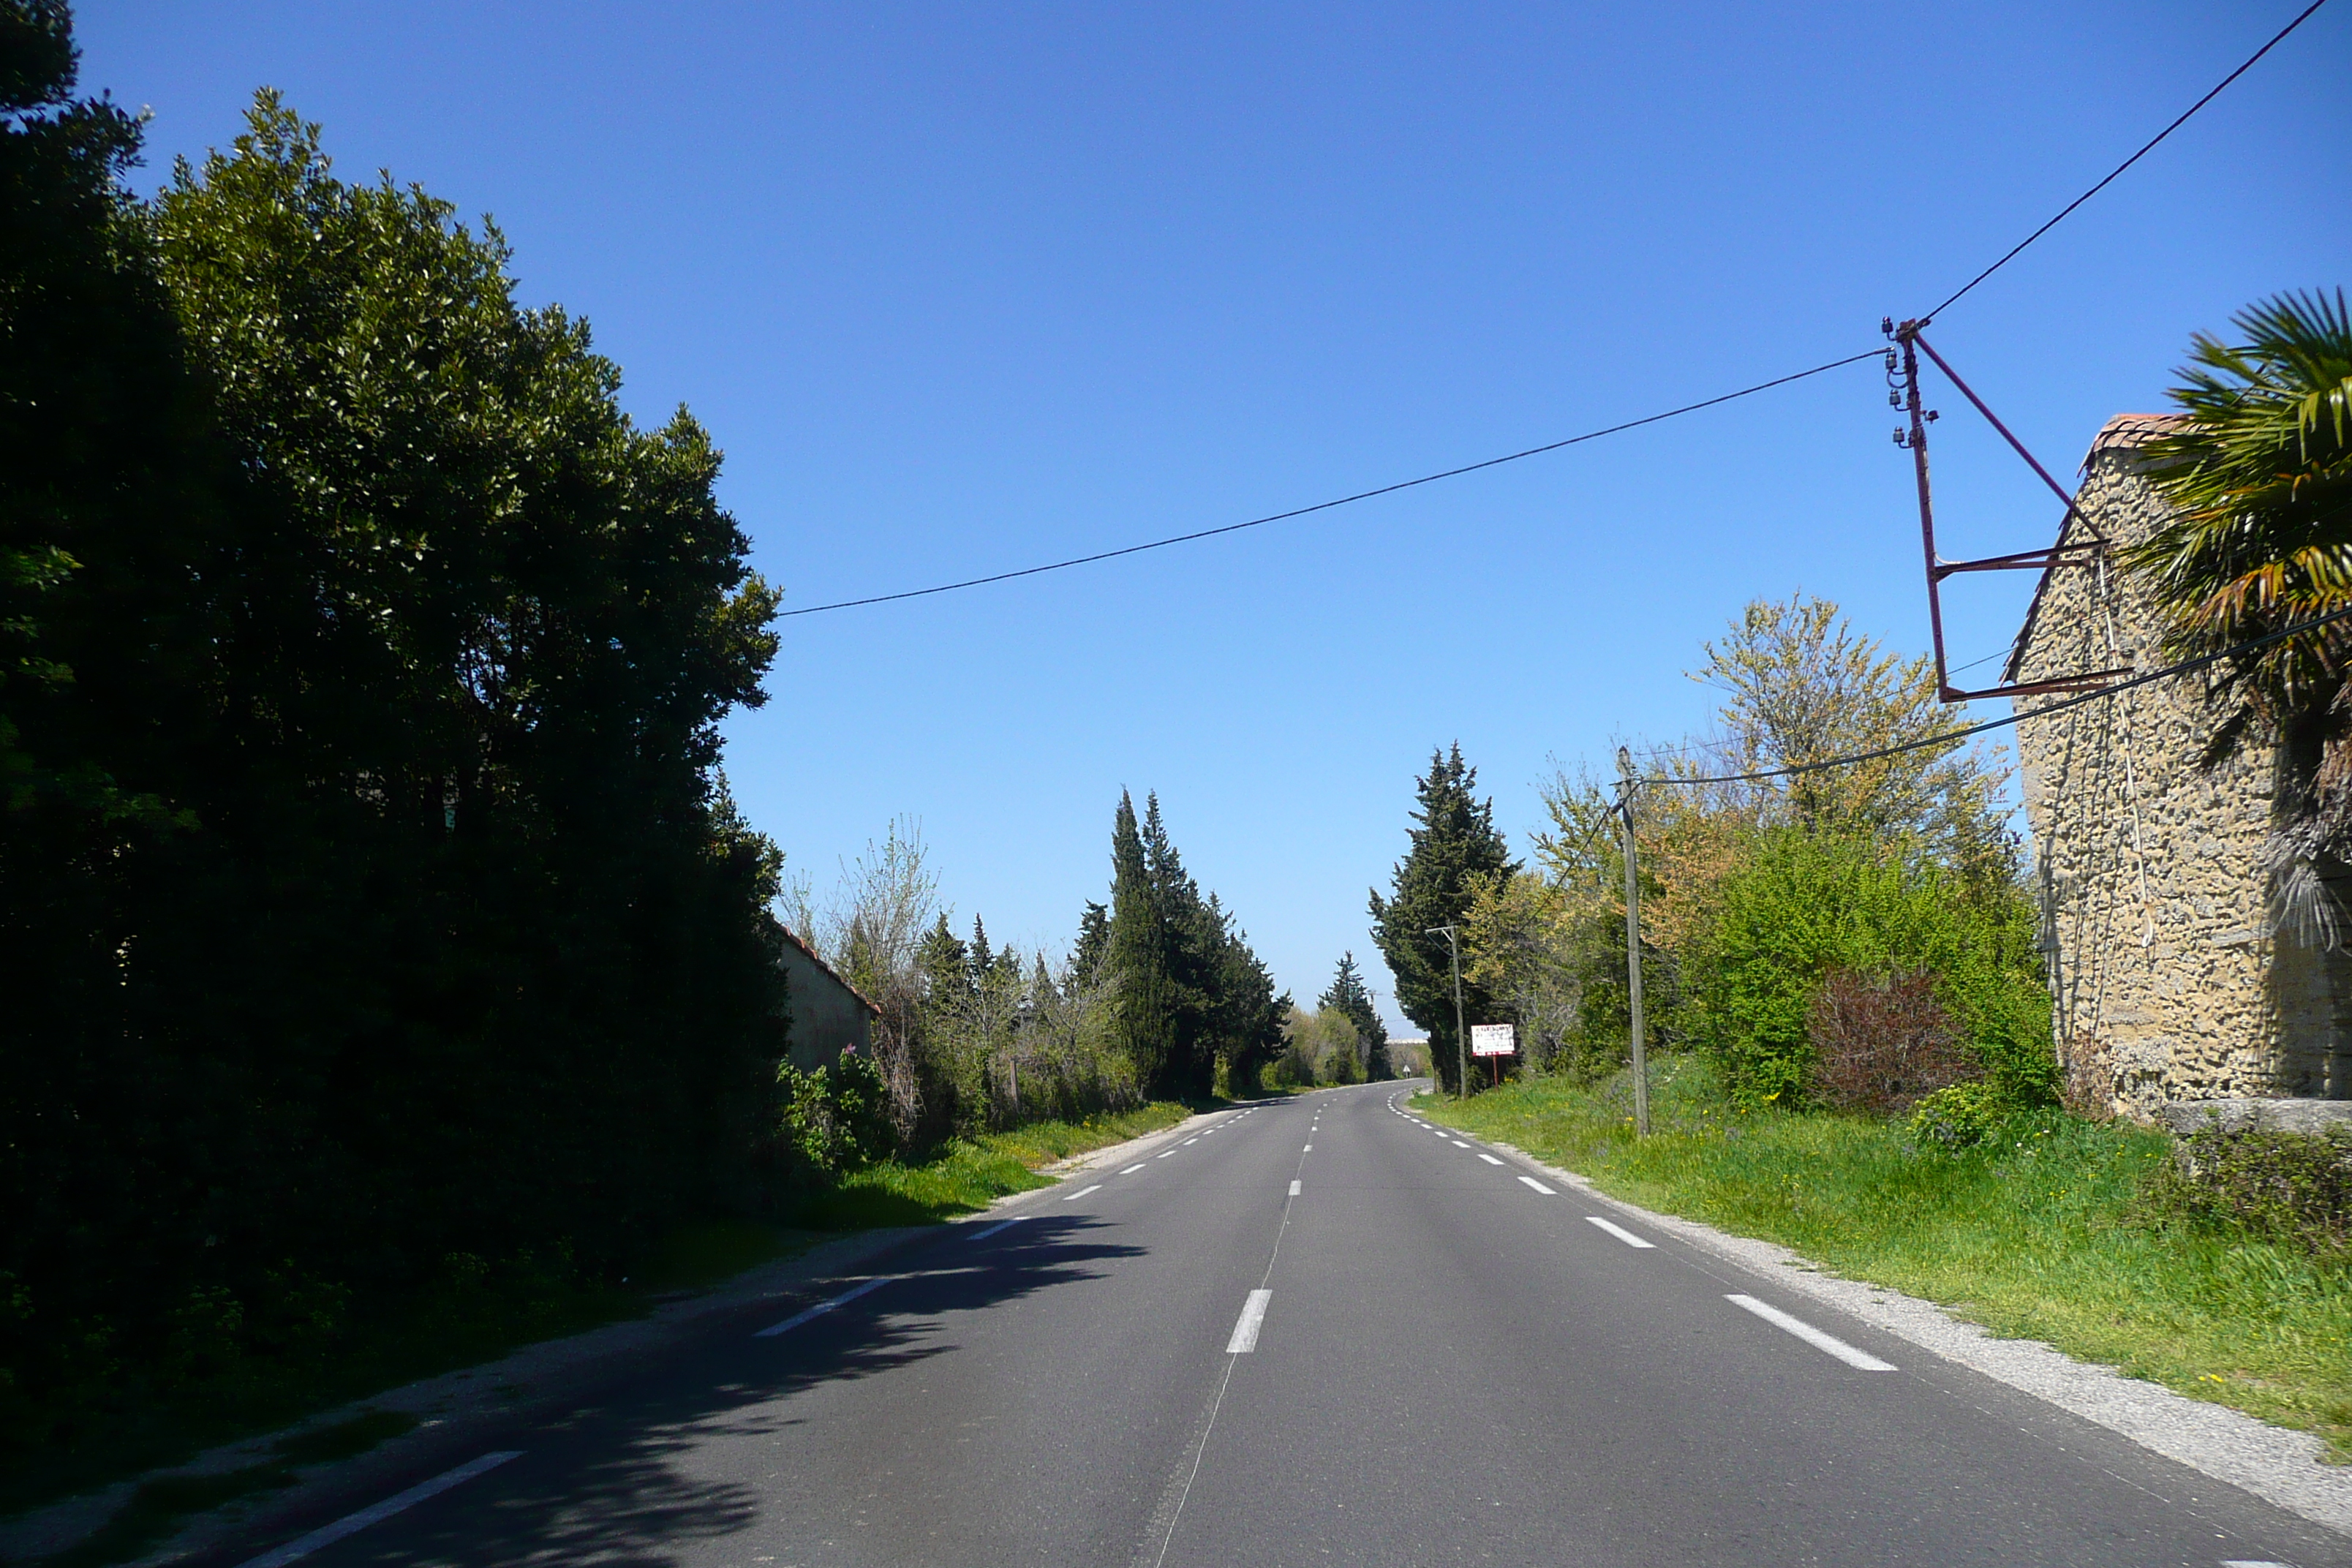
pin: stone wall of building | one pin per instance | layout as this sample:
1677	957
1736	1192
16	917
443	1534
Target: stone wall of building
2165	981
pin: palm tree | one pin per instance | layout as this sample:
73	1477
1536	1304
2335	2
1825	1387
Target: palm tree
2258	476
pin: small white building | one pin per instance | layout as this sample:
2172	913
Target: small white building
827	1012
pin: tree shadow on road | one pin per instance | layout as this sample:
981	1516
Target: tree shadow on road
613	1482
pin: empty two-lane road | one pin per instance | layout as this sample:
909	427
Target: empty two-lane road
1319	1332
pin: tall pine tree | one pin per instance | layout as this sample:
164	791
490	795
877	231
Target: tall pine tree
1138	952
1350	995
1454	844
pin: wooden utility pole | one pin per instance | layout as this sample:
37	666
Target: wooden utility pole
1626	785
1460	1035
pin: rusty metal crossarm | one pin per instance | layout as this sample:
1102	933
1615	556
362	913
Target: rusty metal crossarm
1909	331
2025	560
2091	681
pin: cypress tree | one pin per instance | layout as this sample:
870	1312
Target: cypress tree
1138	952
1350	995
1454	845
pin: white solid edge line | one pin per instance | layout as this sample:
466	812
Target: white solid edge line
1000	1225
1132	1169
1829	1345
1539	1186
1490	1159
1245	1326
1294	1189
1082	1191
821	1308
1619	1231
352	1523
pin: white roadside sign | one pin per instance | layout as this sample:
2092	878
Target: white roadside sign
1494	1040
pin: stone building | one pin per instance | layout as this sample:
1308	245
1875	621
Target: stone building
2171	992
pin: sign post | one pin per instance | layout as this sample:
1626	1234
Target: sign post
1494	1041
1638	1034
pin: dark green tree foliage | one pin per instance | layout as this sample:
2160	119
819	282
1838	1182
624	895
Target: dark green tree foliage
1350	995
441	937
1453	842
1140	943
1190	990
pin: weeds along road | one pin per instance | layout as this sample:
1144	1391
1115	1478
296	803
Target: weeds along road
1321	1332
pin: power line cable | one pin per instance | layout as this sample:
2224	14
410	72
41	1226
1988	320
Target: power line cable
1955	736
1573	440
2275	39
1342	500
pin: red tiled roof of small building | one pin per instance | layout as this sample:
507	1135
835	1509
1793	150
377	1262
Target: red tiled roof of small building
2131	430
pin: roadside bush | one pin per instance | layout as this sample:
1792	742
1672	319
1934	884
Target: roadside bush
837	1118
1881	1045
2289	1186
1961	1115
1803	904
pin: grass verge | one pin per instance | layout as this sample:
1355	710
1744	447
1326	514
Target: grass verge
2039	1234
967	1176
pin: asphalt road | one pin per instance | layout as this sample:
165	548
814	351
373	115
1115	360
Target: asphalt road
1449	1366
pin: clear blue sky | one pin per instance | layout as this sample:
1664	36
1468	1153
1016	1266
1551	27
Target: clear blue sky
961	288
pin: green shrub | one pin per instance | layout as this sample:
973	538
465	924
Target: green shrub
1962	1116
2294	1187
836	1119
1805	903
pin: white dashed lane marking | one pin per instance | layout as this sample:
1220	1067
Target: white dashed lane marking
1619	1231
1082	1191
821	1308
352	1523
1829	1345
1000	1225
1539	1186
1490	1159
1294	1189
1246	1326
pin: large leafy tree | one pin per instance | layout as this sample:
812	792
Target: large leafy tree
369	893
2258	476
1454	847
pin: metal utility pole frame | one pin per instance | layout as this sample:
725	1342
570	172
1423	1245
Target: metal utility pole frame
1626	785
1904	394
1460	1034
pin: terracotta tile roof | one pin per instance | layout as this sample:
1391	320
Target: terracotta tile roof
2121	432
2131	430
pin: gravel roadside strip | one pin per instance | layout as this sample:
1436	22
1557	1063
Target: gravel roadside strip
2283	1468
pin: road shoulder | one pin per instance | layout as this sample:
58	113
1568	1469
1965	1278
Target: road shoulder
2283	1468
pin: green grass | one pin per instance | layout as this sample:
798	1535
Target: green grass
967	1176
2041	1233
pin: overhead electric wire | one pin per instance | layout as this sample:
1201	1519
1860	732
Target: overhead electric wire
1341	500
1954	736
1573	440
2149	147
